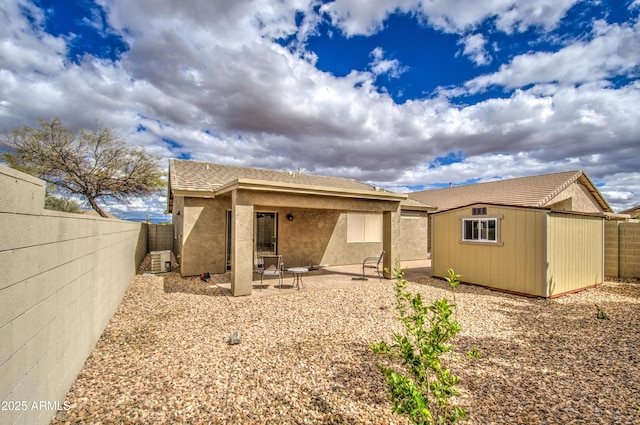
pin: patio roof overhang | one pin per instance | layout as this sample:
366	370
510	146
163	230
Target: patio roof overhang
291	188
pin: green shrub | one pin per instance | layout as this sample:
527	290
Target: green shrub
421	388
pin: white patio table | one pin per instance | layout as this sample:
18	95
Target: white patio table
297	275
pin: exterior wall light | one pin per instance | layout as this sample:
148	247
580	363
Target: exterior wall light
290	217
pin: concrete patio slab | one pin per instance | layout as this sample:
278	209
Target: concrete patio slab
327	277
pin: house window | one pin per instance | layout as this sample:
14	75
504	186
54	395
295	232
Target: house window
480	230
362	227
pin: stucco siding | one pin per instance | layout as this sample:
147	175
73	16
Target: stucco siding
413	236
204	236
575	198
317	235
304	240
576	252
176	218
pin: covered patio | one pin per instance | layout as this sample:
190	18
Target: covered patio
228	218
325	278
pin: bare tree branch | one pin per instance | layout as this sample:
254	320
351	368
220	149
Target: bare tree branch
93	164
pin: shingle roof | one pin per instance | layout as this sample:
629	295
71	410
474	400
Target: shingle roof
202	176
533	191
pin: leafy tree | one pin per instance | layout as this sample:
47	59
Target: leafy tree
92	164
58	203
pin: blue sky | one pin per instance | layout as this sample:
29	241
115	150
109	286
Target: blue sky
404	94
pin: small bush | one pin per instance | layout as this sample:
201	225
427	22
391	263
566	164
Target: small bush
422	387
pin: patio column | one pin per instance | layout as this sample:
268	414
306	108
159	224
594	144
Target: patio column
390	240
242	245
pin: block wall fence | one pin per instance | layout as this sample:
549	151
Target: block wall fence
63	276
622	249
160	237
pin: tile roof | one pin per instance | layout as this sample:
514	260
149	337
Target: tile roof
203	176
413	204
533	191
631	211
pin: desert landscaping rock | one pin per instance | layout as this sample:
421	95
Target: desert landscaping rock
165	356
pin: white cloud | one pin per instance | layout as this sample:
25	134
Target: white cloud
381	66
213	67
366	17
25	47
612	51
474	47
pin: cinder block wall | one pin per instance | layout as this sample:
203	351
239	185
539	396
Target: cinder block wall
622	249
629	264
611	249
63	276
160	237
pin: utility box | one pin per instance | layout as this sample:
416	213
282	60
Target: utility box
160	261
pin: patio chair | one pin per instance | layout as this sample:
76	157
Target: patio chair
272	265
373	263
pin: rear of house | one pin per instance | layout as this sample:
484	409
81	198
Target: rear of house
525	250
227	218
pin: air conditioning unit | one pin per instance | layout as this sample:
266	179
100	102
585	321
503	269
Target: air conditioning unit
160	261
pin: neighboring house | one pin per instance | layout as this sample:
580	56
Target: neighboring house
226	217
632	212
540	235
94	213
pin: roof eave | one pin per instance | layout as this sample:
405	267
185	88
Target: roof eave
596	193
192	193
414	207
293	188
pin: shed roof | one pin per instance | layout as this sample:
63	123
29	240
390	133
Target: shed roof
532	191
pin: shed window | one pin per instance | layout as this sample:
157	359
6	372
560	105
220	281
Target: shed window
484	230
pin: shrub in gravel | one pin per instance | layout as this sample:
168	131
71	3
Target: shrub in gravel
422	385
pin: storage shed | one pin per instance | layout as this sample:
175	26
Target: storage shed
525	250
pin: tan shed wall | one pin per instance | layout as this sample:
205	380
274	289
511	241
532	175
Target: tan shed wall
575	252
515	264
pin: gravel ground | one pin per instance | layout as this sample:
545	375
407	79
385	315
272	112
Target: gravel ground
304	357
